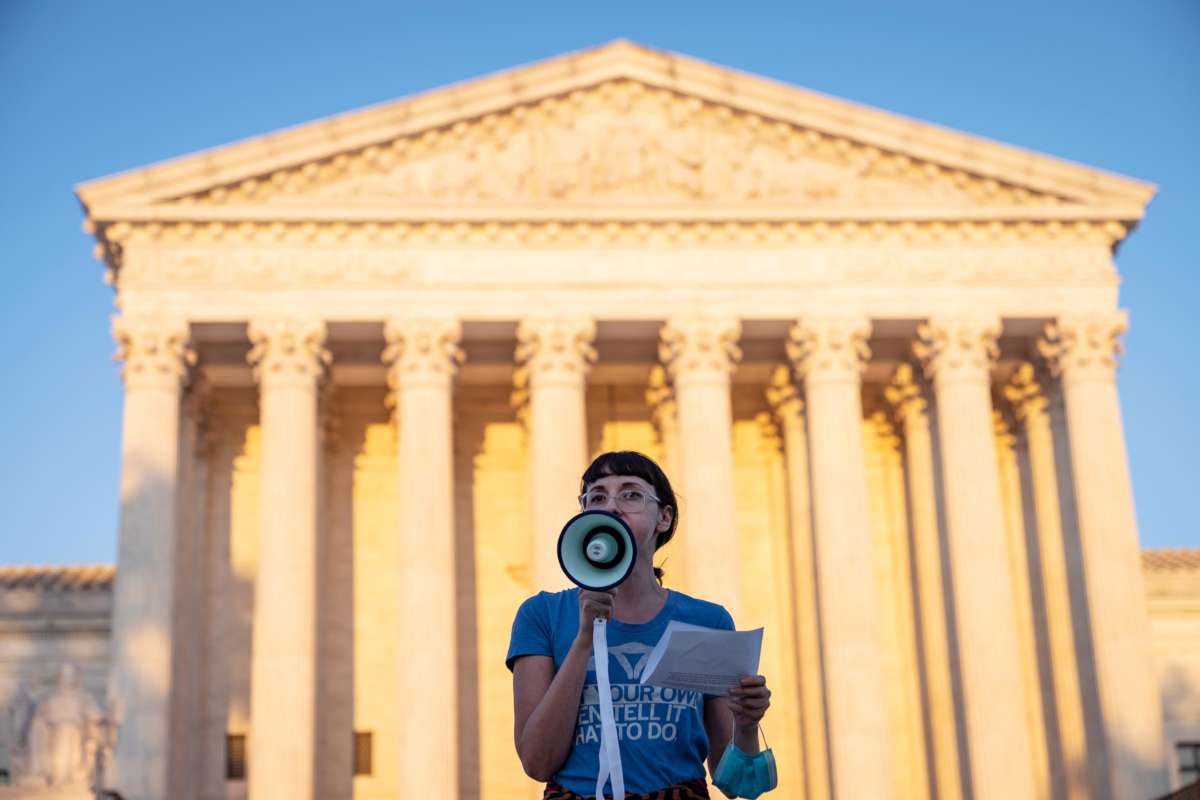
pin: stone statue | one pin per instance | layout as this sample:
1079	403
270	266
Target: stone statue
58	738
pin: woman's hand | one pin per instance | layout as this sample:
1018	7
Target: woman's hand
592	606
749	701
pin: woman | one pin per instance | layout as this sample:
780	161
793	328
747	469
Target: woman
666	734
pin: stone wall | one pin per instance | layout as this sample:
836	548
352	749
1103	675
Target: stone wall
50	616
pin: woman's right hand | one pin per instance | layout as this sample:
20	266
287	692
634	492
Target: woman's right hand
592	606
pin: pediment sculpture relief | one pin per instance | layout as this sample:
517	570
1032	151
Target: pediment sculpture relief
627	143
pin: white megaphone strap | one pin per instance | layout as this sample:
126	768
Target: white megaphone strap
610	748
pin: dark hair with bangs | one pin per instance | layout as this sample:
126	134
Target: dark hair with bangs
638	465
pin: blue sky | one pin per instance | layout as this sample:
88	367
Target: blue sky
89	89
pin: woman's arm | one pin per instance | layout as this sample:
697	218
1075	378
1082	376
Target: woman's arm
546	706
718	724
545	703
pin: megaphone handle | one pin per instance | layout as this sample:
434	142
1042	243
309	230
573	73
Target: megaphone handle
610	749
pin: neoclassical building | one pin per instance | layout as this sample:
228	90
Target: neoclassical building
366	360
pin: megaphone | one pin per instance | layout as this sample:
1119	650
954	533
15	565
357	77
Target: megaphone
596	550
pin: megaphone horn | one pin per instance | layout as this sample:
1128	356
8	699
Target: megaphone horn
596	550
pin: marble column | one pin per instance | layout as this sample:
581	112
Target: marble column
1008	458
700	354
829	355
899	605
784	399
1082	350
1030	405
191	659
664	414
423	357
554	356
289	362
958	352
156	358
906	396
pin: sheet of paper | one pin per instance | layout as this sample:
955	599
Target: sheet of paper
706	660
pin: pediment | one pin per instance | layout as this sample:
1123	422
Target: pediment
614	128
622	144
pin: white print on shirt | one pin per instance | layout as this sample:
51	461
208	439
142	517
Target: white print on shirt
632	657
640	712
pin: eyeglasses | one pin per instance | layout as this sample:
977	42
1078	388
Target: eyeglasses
631	501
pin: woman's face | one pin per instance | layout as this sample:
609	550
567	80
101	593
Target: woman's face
645	524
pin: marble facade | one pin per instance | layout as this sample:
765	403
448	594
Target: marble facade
366	359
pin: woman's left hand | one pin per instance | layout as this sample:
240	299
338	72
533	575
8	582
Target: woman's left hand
749	701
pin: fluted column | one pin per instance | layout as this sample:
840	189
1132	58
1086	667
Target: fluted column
664	414
788	406
156	357
1015	519
289	361
907	399
1082	350
1030	405
829	355
700	354
958	352
555	355
193	585
899	628
422	358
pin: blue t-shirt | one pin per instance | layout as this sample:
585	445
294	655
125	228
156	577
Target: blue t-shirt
661	731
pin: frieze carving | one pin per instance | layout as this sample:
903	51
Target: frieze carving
1084	346
958	347
700	347
620	140
154	351
829	349
288	351
265	268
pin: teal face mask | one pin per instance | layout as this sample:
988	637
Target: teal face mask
742	775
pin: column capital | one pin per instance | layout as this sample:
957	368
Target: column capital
958	348
884	430
700	346
154	350
830	349
329	416
904	393
1026	393
198	409
1004	429
660	396
288	351
555	349
421	351
1081	347
784	397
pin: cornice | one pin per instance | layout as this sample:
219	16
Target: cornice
605	230
764	100
1121	216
